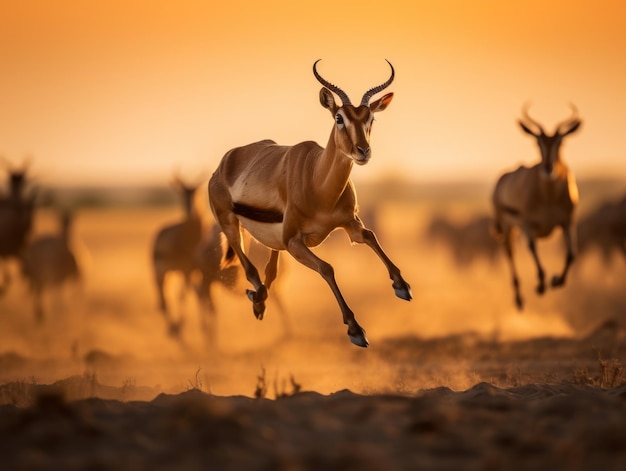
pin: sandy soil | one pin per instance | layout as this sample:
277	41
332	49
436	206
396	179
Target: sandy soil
455	379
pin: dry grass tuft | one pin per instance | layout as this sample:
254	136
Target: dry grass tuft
611	374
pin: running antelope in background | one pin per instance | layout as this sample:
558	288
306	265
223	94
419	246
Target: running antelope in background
49	262
467	241
604	229
174	250
538	199
16	220
209	257
292	197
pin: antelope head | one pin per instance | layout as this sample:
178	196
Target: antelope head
353	124
17	176
186	191
549	145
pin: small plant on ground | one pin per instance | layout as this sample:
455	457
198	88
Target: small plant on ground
261	385
611	375
196	383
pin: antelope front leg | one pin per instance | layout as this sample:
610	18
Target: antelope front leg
541	276
508	247
568	235
361	235
303	254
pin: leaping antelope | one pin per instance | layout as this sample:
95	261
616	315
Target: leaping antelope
292	197
537	199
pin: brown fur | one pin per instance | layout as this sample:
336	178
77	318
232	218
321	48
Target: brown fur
311	187
538	199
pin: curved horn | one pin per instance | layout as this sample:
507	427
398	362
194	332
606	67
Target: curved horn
365	101
529	119
333	88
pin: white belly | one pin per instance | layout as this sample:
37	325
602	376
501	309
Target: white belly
270	235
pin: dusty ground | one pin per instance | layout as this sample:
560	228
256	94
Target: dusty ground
455	379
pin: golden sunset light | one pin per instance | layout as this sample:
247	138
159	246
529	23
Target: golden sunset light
124	92
441	286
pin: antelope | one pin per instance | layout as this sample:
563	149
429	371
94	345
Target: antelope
467	241
16	218
605	228
292	197
49	262
174	249
207	260
209	256
537	199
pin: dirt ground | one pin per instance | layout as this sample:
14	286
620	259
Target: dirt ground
455	379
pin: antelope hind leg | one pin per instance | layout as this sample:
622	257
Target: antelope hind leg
258	298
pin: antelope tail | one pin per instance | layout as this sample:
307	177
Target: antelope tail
229	258
495	229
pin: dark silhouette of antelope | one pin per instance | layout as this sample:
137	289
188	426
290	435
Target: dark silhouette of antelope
49	262
537	199
467	242
175	250
16	218
604	228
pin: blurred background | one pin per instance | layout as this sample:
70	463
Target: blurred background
104	104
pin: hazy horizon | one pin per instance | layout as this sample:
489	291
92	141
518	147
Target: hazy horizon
130	91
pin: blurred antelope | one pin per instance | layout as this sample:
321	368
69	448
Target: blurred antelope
174	250
16	219
49	262
605	229
292	197
537	199
467	241
209	257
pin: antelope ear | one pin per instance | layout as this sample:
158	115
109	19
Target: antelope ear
328	100
574	128
381	103
526	129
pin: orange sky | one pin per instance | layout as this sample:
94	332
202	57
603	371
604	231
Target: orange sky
127	91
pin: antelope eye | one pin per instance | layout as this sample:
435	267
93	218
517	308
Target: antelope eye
339	119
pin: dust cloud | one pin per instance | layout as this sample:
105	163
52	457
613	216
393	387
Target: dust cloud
109	324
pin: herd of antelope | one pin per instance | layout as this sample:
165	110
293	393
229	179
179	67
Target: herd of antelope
279	198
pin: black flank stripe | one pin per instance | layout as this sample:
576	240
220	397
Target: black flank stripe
510	210
258	214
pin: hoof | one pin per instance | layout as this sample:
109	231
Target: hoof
519	303
259	310
541	288
557	281
358	338
175	329
257	296
258	301
403	291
